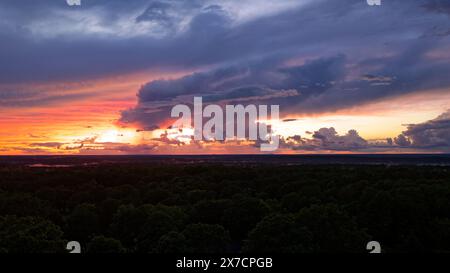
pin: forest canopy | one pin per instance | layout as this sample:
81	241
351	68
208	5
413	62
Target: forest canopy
224	208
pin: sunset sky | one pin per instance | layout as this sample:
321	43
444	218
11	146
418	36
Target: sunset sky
101	78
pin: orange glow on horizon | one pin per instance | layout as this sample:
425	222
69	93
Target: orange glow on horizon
95	116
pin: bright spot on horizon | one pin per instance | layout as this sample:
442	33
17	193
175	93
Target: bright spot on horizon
117	136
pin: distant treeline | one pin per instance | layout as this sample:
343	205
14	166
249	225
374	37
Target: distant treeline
216	208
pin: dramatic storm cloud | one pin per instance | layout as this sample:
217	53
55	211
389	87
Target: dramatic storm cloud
311	58
431	134
349	73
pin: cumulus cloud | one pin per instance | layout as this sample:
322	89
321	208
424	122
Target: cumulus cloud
402	141
431	134
327	139
164	138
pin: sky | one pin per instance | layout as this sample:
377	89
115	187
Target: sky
102	78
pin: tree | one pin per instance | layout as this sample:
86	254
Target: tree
127	223
156	225
171	243
210	211
107	210
243	215
293	202
101	244
83	223
279	234
332	228
30	235
22	204
207	239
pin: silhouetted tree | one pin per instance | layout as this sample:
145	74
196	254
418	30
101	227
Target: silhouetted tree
203	238
243	215
210	211
332	228
127	224
279	234
101	244
83	223
156	225
171	243
30	235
